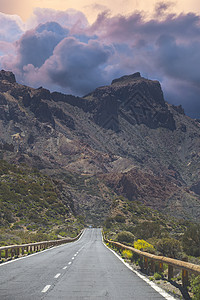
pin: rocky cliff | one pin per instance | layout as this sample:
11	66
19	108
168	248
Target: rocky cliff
123	138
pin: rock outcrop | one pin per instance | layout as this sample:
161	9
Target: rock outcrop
134	98
123	138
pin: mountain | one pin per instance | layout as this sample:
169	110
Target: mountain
122	139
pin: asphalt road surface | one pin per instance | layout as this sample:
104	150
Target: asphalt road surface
85	269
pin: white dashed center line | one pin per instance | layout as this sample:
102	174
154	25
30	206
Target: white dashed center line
46	288
69	263
72	257
65	268
57	275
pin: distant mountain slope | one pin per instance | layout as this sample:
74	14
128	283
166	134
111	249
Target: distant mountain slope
121	133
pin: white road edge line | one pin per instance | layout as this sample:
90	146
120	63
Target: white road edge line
43	251
45	289
57	275
65	268
152	284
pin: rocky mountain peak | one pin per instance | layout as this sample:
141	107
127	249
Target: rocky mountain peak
127	78
134	98
8	76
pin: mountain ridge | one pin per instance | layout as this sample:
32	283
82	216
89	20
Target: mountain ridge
125	128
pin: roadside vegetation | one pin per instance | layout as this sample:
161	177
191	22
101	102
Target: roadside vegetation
32	208
136	225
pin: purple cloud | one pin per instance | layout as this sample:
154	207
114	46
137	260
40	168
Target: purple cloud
77	66
71	56
10	28
69	18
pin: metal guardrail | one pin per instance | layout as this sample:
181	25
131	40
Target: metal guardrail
17	250
149	260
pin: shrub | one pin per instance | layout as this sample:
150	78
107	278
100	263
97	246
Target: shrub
143	245
195	285
191	240
125	236
148	230
120	219
157	276
169	247
127	254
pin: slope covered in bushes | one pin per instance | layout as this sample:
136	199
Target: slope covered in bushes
31	202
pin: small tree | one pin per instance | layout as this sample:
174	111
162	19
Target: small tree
125	237
195	285
191	240
169	247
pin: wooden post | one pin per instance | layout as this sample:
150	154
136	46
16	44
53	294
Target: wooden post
160	267
185	278
141	262
0	254
170	272
6	254
153	266
12	252
146	263
22	250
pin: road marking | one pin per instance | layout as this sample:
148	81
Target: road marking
152	284
45	289
65	268
73	257
57	275
69	263
75	254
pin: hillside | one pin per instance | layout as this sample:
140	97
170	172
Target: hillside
121	139
30	202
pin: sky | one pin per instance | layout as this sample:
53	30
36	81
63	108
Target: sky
74	46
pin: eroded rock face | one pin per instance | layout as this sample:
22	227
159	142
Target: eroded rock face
113	131
134	98
8	76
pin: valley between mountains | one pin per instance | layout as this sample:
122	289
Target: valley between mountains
119	155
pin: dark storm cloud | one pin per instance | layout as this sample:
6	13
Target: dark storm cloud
77	65
36	46
76	59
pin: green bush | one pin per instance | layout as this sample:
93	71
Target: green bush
125	237
169	247
191	240
157	276
120	219
147	230
195	285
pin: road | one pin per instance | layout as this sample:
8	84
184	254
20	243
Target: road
85	269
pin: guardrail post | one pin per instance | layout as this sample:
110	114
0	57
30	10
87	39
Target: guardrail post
153	266
160	267
170	272
185	278
146	263
6	254
12	251
0	254
22	250
141	262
